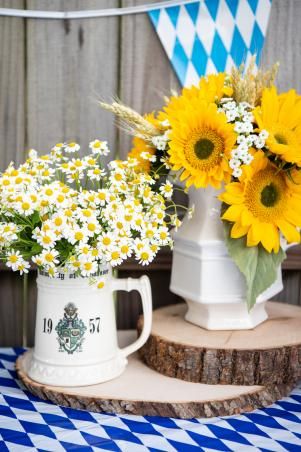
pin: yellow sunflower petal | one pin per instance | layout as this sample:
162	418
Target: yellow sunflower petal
254	235
238	230
233	213
289	231
270	238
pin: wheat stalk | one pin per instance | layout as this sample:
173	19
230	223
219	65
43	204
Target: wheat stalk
131	121
248	86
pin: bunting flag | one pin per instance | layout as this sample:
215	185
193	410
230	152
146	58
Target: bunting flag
210	36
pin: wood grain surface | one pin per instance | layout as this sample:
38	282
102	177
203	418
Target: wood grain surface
142	391
266	355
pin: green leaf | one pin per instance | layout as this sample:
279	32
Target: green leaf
64	248
35	218
36	249
257	265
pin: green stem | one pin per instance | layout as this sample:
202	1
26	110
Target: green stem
174	206
24	310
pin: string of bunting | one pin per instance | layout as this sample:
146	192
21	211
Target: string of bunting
89	14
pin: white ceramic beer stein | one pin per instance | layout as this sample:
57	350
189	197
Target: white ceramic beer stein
76	335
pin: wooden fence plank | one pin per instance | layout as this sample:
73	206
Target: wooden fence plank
283	43
145	74
10	309
12	135
12	86
71	65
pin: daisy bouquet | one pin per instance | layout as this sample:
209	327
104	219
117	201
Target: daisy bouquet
63	211
236	133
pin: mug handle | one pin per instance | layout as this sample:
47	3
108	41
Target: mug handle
142	285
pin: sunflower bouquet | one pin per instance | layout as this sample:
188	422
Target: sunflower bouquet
63	211
236	133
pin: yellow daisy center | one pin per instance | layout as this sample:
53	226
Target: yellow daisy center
115	255
144	255
79	235
124	249
25	206
106	240
49	257
13	258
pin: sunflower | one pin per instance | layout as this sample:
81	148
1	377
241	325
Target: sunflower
200	144
214	87
264	203
280	115
140	145
211	88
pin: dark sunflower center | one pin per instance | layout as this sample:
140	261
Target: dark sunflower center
269	195
280	138
203	148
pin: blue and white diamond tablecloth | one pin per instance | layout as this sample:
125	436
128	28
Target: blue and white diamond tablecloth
30	424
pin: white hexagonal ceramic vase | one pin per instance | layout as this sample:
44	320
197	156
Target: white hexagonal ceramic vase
204	274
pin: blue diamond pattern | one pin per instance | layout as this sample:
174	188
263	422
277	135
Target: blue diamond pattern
97	441
180	61
173	14
230	435
219	53
155	16
233	5
184	447
208	442
16	402
210	20
199	56
257	42
27	424
76	447
212	6
253	4
193	10
16	437
60	421
121	434
238	48
38	429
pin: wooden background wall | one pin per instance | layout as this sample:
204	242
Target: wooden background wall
51	74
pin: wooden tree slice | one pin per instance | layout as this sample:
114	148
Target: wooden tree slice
142	391
268	354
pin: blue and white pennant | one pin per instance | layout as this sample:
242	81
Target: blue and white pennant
210	36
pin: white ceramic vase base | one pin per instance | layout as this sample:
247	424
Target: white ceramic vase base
225	316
